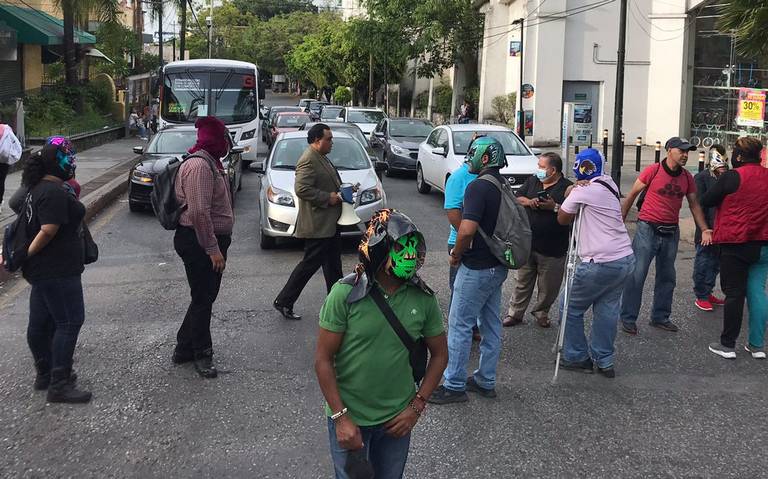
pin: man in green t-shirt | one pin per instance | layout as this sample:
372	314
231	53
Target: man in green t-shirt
362	365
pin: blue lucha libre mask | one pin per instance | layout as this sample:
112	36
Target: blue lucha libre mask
589	164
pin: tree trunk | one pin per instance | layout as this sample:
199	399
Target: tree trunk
70	56
183	33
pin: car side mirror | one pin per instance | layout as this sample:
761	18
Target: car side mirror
139	150
256	167
237	150
536	151
440	150
380	166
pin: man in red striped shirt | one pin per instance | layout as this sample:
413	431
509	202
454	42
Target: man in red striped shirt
202	239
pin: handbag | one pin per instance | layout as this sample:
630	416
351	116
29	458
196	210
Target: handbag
417	349
90	248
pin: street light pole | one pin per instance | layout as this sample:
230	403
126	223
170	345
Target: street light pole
618	112
160	30
210	32
521	111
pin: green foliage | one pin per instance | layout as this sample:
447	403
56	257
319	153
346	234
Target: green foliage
472	94
53	111
267	10
747	19
442	96
504	107
342	96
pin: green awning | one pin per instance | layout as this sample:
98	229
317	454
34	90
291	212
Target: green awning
36	27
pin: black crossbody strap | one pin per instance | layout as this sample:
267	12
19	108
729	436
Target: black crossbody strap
406	338
610	188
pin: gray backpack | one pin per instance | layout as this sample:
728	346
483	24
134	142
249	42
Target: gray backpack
511	239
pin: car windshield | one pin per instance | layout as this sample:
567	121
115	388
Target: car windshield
346	154
365	116
410	128
352	131
329	113
291	121
316	105
175	142
281	109
511	143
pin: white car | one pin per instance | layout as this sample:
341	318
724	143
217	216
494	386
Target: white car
278	203
365	118
445	149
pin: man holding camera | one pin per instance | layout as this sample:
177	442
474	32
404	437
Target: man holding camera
542	194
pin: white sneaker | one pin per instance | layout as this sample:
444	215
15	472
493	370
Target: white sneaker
757	353
722	351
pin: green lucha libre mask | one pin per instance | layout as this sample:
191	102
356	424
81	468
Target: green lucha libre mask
404	256
482	146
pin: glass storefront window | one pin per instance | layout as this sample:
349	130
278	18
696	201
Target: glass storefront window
720	73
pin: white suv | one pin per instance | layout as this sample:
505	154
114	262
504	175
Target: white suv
445	149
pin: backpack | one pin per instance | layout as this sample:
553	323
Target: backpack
511	239
16	239
641	197
163	196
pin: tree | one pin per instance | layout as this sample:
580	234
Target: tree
747	20
78	11
266	9
117	42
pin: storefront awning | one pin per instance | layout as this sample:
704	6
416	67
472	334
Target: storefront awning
98	54
36	27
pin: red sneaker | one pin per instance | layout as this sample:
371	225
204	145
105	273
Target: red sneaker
715	300
704	305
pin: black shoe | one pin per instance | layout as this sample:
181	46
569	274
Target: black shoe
204	365
473	387
668	326
443	395
630	329
581	366
608	372
180	357
43	380
62	388
286	311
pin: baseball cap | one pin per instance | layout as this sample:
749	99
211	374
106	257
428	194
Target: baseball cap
679	143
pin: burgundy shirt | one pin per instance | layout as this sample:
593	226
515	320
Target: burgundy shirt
208	199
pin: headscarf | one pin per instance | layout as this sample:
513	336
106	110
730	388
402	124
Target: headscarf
212	137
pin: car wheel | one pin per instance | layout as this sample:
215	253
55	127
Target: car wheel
135	207
421	185
266	242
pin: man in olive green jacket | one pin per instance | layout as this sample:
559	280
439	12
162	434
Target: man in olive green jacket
317	186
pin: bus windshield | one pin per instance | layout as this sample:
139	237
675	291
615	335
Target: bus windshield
229	95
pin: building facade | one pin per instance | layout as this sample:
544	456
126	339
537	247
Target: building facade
682	77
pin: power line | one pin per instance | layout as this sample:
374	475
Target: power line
553	14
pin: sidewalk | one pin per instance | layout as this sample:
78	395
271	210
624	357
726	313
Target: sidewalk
102	172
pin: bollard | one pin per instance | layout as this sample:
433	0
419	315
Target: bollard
576	150
657	153
638	152
701	160
590	140
621	150
605	144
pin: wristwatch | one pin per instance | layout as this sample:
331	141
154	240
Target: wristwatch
556	208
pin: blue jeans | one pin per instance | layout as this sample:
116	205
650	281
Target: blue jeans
706	266
56	313
385	453
648	245
757	300
598	285
476	299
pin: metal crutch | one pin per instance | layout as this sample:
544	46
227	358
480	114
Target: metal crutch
570	267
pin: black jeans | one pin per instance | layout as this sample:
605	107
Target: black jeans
194	336
325	252
3	173
56	313
735	260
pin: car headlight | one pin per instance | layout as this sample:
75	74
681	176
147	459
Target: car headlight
370	196
248	135
398	151
279	197
141	177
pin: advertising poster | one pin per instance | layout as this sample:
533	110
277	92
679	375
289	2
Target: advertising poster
528	122
514	48
751	107
582	124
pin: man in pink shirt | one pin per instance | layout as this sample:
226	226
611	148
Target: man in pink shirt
202	239
606	262
658	233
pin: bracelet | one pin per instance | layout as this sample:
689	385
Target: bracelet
421	398
416	410
338	414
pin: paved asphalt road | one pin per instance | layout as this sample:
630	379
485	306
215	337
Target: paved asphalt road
674	409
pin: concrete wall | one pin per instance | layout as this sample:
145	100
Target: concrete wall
33	67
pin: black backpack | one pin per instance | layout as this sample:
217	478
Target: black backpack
163	196
16	239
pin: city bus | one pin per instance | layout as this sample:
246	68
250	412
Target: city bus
227	89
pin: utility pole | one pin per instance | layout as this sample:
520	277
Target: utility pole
521	111
618	112
210	33
183	29
160	31
429	98
370	80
